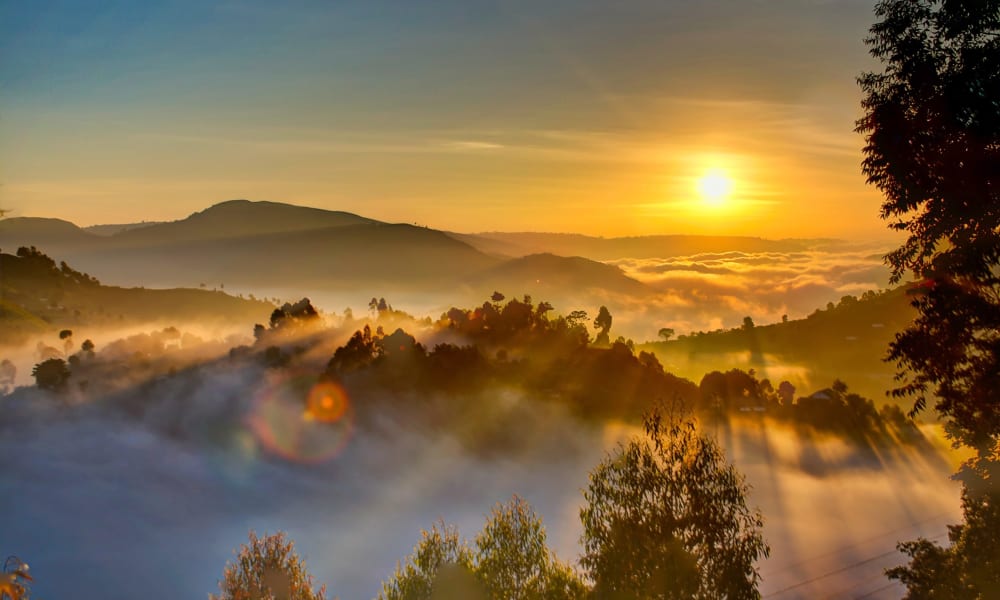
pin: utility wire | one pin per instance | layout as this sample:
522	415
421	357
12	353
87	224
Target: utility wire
877	590
838	571
859	542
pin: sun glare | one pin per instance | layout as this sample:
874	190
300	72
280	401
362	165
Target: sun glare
714	187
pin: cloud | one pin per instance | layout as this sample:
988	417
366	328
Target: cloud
698	291
474	145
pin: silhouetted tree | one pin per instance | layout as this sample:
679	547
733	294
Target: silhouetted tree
66	335
786	391
932	133
602	322
666	517
52	374
576	317
267	567
666	333
359	351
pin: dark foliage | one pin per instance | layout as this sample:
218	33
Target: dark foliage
932	126
52	374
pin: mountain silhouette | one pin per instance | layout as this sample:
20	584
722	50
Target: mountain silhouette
43	232
240	218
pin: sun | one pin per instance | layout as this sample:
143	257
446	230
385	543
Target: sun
714	187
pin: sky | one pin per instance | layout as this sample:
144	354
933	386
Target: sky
598	117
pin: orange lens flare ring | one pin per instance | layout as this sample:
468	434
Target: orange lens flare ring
300	420
327	403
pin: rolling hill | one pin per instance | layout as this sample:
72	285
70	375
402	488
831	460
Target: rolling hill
848	341
39	297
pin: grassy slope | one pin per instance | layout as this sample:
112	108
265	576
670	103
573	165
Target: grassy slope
847	342
35	299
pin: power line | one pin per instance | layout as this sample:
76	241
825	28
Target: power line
829	573
877	590
859	542
840	570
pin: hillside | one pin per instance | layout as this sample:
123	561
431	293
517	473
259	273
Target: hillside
846	341
548	275
44	233
37	296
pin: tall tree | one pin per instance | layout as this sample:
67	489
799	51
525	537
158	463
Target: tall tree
602	322
666	517
932	133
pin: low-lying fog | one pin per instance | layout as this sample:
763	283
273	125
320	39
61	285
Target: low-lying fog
146	493
700	292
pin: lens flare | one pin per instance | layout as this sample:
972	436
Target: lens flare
327	403
301	420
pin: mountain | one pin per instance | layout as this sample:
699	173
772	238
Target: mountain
259	244
43	233
39	297
651	246
331	258
239	218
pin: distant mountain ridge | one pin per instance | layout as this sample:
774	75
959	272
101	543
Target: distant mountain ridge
269	246
241	218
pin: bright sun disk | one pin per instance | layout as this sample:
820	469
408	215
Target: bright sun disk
714	187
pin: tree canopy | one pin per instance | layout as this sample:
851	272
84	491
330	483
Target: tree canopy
267	568
932	133
666	517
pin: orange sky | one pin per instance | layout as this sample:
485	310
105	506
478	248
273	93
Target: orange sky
578	116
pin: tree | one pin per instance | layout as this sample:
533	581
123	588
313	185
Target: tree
747	323
932	132
513	561
666	333
602	322
66	335
970	567
932	147
51	374
441	562
666	517
267	568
